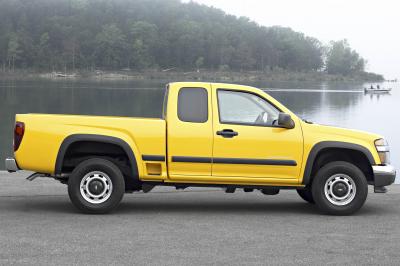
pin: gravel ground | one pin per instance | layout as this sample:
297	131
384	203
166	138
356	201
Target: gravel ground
39	225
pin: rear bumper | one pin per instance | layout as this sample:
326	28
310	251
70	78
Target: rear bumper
11	165
384	175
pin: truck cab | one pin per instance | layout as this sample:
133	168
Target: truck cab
231	134
210	134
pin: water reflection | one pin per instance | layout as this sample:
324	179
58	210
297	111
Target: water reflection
313	104
377	96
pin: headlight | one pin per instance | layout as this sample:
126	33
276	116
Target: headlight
383	150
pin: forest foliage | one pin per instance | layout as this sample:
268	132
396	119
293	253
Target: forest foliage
49	35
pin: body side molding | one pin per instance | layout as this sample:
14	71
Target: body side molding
154	158
332	144
189	159
255	161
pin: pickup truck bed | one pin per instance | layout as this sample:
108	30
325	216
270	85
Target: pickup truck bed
47	133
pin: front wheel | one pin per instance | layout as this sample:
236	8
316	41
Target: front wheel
339	188
96	186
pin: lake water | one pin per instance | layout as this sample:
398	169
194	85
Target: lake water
338	104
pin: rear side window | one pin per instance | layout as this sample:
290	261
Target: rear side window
193	105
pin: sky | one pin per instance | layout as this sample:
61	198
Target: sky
371	27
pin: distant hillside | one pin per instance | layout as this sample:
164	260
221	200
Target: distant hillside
49	35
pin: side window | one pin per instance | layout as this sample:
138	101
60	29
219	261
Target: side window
193	105
237	107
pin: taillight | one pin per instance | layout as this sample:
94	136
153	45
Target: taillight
19	131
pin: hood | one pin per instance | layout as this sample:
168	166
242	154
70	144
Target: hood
340	133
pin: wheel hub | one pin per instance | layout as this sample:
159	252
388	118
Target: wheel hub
96	187
340	189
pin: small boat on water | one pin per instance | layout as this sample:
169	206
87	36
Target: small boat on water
377	90
63	75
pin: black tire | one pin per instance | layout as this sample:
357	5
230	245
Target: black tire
306	194
110	177
353	180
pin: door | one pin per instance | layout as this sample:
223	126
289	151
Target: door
247	141
189	131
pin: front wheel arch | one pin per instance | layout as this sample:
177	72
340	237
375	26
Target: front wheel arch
345	148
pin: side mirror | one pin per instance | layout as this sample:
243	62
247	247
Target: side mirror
285	121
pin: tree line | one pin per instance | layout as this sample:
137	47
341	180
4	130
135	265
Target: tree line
49	35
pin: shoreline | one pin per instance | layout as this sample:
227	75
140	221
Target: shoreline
203	75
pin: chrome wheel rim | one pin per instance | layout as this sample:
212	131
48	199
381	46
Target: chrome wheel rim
340	189
96	187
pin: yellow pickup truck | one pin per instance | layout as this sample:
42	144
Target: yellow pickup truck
210	135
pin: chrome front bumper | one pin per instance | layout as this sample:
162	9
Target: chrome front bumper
384	175
11	165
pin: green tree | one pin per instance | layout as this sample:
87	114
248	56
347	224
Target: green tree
144	36
341	59
199	63
43	52
294	50
110	46
13	51
3	49
140	56
84	34
243	58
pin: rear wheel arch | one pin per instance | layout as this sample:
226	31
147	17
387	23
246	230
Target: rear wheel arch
100	140
343	151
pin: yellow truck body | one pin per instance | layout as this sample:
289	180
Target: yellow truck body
216	149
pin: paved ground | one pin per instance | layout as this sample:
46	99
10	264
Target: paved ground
38	225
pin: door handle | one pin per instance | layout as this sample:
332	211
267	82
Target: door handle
227	133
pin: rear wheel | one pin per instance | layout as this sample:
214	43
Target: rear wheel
96	186
339	188
306	194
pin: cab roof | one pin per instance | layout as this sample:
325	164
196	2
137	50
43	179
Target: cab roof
214	85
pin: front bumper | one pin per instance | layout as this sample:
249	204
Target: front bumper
11	165
384	175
